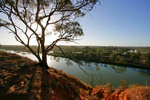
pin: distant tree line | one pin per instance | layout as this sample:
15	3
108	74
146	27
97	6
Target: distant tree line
17	48
130	56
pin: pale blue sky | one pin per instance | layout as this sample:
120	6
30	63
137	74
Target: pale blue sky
114	23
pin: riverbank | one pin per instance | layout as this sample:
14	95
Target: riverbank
22	79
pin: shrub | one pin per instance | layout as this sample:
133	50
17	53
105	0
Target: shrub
124	85
109	89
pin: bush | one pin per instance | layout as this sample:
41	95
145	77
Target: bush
124	85
109	89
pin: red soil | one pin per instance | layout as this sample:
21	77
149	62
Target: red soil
22	79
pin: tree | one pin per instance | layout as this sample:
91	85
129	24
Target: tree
148	58
33	19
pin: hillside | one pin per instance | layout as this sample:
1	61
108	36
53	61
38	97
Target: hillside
23	79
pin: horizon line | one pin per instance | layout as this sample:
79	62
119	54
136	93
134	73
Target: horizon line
80	45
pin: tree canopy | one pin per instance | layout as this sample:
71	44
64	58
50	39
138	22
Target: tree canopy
35	19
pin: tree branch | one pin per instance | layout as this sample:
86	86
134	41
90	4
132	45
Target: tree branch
79	64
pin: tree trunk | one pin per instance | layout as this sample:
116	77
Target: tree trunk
43	62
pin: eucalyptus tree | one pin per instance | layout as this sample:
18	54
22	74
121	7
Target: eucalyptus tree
35	19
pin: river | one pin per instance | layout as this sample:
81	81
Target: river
94	73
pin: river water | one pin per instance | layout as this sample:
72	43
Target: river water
94	73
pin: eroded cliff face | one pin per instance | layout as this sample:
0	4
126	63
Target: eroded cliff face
23	79
132	93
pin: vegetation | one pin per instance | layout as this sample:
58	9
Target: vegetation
23	79
32	20
130	56
124	85
109	89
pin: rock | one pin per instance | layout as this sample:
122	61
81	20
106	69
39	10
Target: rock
98	92
137	93
11	89
28	76
22	83
1	82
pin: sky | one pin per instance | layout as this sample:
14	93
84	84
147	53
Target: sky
113	23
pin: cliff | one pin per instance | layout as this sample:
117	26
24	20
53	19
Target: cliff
23	79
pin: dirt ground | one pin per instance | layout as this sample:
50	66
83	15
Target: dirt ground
23	79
